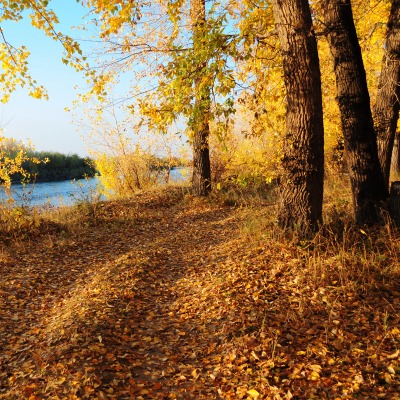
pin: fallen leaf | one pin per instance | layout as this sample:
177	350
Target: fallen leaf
253	393
394	355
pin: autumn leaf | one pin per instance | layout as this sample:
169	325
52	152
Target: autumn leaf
253	393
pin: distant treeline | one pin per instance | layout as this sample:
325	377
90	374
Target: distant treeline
55	166
58	167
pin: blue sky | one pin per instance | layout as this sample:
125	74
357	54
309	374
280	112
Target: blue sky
45	123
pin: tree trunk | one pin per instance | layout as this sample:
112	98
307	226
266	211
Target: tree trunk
386	110
303	161
366	178
201	179
395	162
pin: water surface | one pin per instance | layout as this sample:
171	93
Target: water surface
66	193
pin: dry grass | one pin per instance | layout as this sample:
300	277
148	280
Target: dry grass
340	252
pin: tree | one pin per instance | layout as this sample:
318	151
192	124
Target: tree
368	187
178	53
386	110
303	160
201	180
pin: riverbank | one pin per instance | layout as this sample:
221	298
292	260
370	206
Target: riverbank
67	192
170	297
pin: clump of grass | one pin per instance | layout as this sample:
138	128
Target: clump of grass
259	225
17	221
87	200
165	196
356	260
249	194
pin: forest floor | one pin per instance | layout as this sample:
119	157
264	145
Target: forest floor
169	297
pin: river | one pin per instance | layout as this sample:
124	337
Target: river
64	193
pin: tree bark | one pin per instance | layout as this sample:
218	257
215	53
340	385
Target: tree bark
386	110
368	187
201	179
303	161
395	162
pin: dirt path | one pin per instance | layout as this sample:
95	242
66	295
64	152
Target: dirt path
101	314
164	298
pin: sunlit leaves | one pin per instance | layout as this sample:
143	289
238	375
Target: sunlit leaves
200	70
14	61
115	15
13	156
14	72
155	43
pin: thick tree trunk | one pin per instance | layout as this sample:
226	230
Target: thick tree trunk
201	179
303	160
386	110
367	182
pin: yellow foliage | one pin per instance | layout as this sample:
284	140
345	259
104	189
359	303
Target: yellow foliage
243	155
14	61
160	60
125	174
13	155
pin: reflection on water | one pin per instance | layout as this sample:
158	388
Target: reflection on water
65	192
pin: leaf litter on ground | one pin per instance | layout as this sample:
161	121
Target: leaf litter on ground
166	297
